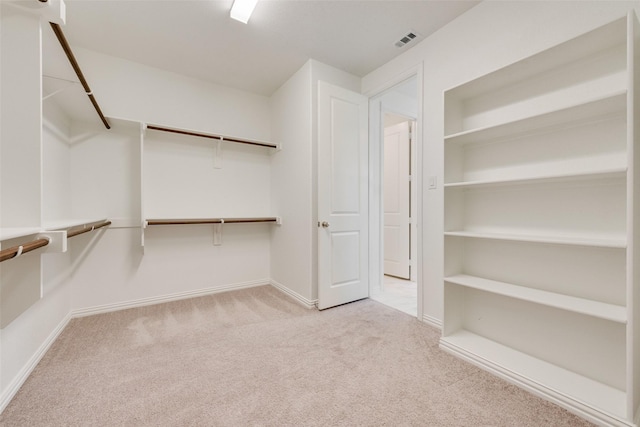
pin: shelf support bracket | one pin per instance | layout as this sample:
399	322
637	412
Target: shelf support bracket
217	155
217	233
57	241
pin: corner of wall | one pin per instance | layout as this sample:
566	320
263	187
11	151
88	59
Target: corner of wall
291	177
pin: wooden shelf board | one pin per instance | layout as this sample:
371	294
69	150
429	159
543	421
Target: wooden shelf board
614	313
615	243
535	373
549	178
562	118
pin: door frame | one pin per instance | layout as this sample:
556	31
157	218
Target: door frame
376	208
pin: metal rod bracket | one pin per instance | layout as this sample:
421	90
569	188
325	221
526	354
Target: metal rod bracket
57	241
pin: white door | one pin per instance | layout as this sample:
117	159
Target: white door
342	196
397	221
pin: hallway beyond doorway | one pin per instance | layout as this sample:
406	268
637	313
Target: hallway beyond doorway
399	294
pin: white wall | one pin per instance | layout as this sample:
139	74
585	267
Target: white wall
291	185
180	181
488	36
294	255
89	172
130	90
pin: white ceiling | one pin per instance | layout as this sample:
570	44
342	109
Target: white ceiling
198	39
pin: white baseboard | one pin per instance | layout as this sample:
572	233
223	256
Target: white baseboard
579	408
31	364
166	298
436	323
296	296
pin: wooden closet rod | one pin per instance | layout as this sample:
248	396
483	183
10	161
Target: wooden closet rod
15	251
208	221
212	136
72	59
86	228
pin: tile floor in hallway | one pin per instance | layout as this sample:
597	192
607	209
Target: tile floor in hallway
398	293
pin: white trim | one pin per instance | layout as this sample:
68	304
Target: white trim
296	296
377	262
17	382
166	298
430	320
397	78
582	410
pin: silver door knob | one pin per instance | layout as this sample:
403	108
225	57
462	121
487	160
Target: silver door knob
325	224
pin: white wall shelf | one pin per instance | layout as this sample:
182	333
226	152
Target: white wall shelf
605	311
541	196
554	240
544	178
70	223
16	232
588	111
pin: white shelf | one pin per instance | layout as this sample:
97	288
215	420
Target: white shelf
583	46
533	373
68	223
601	310
15	232
549	178
555	240
614	104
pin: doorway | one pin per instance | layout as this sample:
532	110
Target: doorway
393	116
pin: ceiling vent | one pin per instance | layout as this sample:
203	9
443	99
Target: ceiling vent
407	38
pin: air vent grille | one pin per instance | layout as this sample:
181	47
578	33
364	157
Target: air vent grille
406	39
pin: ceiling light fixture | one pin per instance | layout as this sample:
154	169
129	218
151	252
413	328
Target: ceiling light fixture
242	9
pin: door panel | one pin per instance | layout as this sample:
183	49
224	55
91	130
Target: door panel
397	201
342	196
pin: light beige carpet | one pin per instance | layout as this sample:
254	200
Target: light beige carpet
256	358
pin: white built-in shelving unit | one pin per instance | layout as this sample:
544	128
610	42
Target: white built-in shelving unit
542	199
